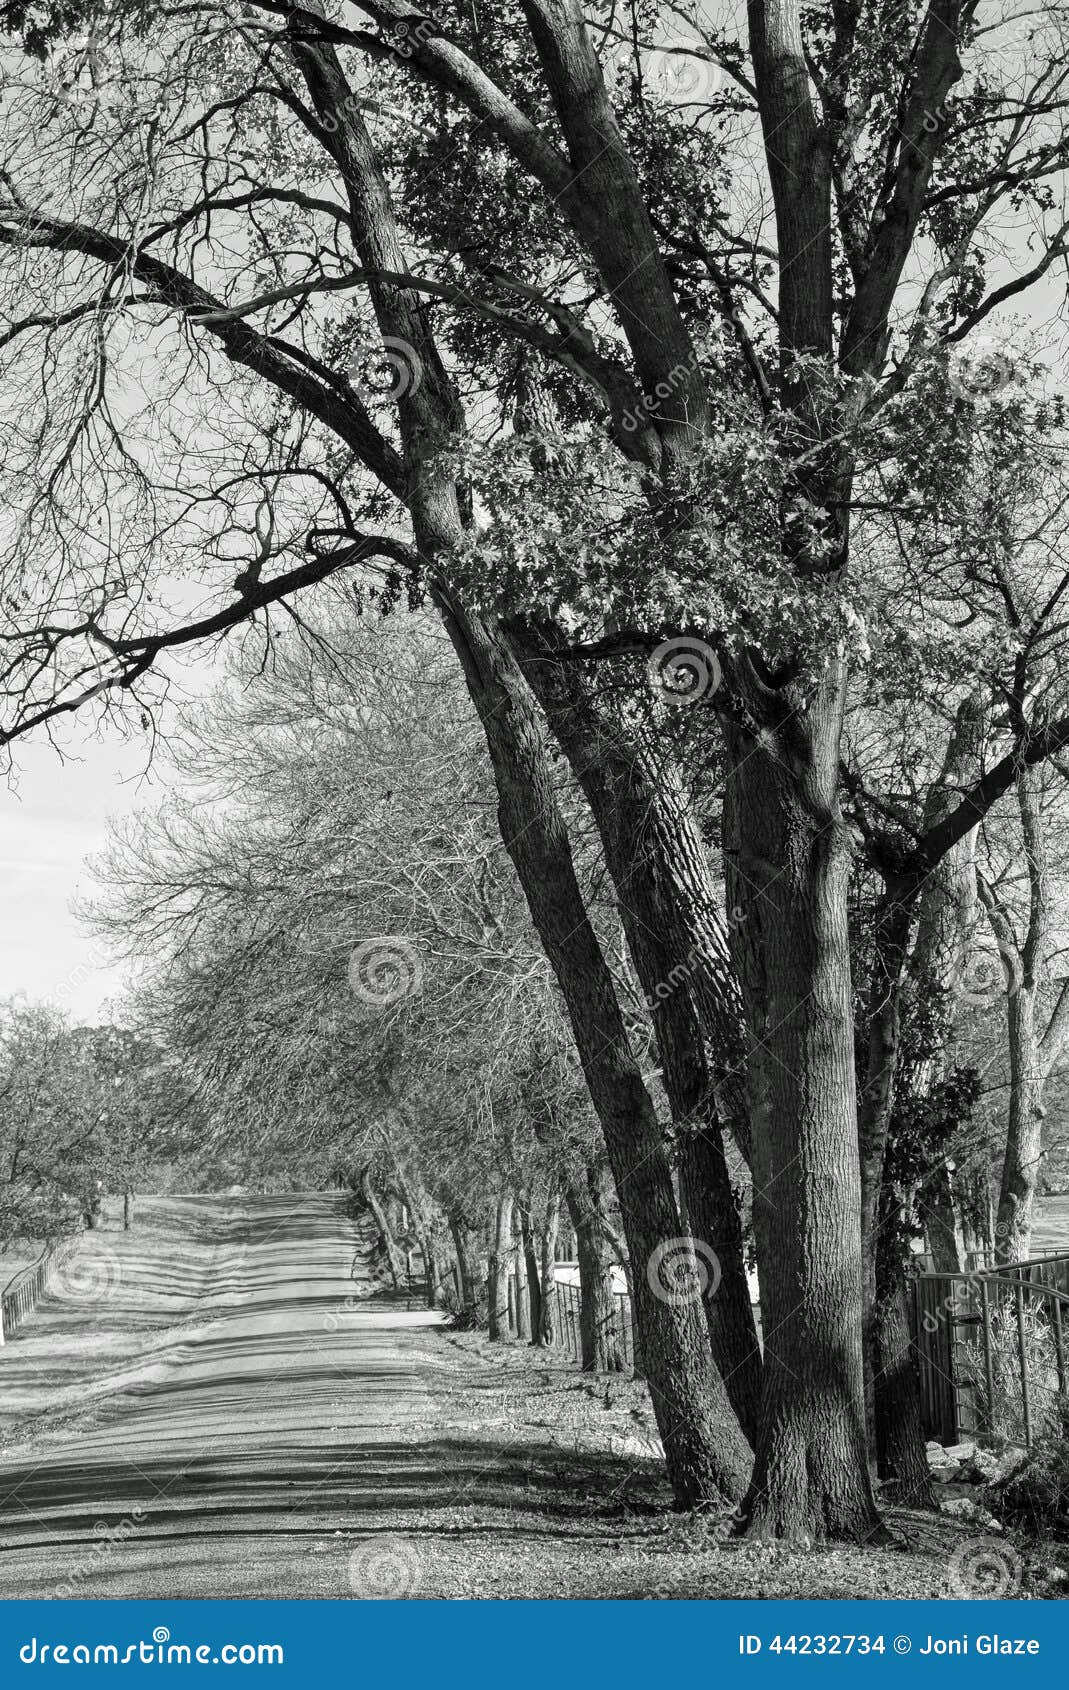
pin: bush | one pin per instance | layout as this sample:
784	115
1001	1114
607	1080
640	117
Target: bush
1035	1496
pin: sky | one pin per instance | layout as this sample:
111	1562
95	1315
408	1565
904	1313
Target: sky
52	816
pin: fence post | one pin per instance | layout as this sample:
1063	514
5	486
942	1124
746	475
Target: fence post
1026	1395
989	1360
1059	1337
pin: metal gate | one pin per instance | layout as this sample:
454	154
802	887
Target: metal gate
991	1345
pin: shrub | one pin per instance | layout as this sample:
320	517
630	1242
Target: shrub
1035	1496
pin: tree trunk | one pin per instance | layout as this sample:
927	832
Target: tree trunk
458	1227
127	1208
599	1337
422	1221
1030	1056
705	1448
546	1333
936	1198
713	1219
901	1451
940	897
900	1445
1024	1131
432	1276
658	864
622	1262
521	1306
394	1259
500	1262
534	1288
789	860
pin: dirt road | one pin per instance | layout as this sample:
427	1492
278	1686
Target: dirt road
209	1406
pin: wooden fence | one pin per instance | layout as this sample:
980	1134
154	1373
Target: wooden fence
567	1334
991	1345
25	1289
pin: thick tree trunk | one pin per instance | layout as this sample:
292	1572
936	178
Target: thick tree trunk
500	1262
705	1449
621	1258
599	1335
659	868
946	920
676	931
521	1307
789	861
940	898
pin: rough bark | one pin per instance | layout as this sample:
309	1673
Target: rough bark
937	1201
789	859
658	864
675	925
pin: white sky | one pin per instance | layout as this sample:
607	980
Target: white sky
54	815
